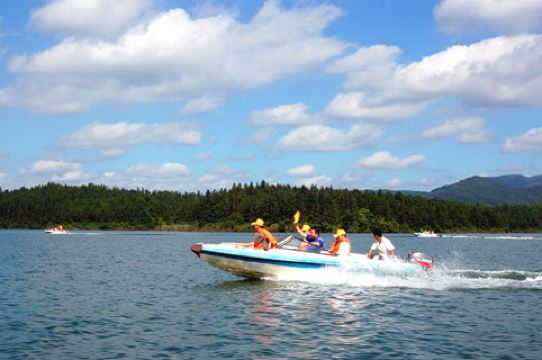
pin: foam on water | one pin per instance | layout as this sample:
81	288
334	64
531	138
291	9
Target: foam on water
438	279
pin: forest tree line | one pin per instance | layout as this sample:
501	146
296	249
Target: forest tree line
100	207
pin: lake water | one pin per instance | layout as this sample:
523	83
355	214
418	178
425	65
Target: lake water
140	295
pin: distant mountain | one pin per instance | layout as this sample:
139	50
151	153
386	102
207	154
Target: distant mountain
507	189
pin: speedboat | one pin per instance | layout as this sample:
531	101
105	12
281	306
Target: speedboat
426	234
287	260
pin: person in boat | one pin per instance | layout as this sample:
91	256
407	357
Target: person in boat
342	245
382	245
263	239
312	241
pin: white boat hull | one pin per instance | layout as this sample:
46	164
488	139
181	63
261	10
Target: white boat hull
281	263
427	235
56	232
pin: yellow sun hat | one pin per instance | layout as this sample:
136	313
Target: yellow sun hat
258	222
339	232
305	227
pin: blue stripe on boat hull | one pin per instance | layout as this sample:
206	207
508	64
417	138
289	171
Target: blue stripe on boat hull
296	264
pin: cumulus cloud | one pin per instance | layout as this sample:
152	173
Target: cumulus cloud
363	58
173	56
69	176
160	171
530	141
468	130
508	16
205	155
319	181
201	105
48	166
95	18
223	176
385	160
394	182
303	170
325	138
501	71
359	105
121	134
112	153
292	114
262	136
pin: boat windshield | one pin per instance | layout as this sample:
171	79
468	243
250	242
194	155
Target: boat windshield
296	242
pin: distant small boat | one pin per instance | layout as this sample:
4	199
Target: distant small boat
59	230
427	234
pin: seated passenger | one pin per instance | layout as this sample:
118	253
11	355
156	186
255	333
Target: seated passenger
263	239
342	245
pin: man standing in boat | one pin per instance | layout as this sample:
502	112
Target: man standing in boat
263	239
383	245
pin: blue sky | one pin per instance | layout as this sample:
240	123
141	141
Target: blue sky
195	95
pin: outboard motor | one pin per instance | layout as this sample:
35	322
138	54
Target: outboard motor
420	258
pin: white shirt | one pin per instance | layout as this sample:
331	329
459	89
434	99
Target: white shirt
384	247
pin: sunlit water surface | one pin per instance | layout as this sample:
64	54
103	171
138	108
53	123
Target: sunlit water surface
146	295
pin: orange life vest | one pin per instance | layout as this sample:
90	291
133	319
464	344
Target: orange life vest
337	244
268	237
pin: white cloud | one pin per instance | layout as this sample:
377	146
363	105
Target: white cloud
4	178
385	160
303	170
70	176
111	153
222	176
94	18
202	156
530	141
121	134
48	166
159	171
509	16
292	114
363	58
320	181
467	129
201	105
261	136
173	56
394	182
427	181
359	105
501	71
325	138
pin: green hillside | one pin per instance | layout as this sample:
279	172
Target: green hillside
503	190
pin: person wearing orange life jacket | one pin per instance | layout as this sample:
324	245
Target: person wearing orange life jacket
342	245
263	239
